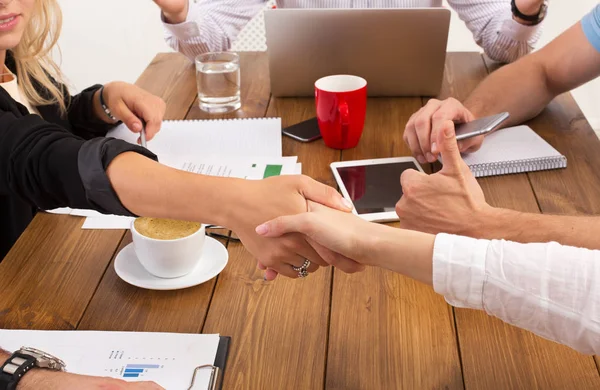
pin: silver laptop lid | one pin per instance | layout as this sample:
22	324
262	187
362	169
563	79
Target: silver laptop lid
400	52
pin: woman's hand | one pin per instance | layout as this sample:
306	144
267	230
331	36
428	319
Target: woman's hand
338	237
342	237
132	105
284	195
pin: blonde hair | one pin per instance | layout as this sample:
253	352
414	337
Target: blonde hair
35	67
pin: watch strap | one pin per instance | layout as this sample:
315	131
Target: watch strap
535	19
13	370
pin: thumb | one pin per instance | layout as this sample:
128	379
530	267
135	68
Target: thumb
448	147
283	225
325	195
132	122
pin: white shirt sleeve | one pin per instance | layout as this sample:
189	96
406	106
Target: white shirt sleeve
550	289
211	25
494	29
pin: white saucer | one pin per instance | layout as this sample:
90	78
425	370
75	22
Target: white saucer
213	261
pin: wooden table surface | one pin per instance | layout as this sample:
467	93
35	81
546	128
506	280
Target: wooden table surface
373	330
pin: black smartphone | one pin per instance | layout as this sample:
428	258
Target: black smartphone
306	131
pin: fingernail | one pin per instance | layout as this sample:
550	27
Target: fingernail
434	148
265	277
137	126
347	204
430	157
421	159
448	132
262	229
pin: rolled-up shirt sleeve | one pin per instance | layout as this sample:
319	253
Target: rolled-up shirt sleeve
49	167
494	29
550	289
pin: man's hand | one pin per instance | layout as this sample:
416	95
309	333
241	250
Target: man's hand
50	380
175	11
132	105
449	201
267	199
436	116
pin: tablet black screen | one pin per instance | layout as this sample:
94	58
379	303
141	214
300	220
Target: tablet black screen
374	188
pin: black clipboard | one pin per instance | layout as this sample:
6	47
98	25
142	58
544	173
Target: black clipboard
218	367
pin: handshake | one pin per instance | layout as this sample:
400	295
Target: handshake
310	225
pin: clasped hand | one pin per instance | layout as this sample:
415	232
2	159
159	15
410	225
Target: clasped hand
448	201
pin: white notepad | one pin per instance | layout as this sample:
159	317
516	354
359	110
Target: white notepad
240	138
514	150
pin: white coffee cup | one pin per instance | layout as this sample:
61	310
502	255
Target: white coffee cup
169	258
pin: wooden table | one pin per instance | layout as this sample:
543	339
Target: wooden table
374	330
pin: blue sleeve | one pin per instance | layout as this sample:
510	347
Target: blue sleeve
591	27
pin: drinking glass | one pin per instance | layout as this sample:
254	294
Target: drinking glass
218	81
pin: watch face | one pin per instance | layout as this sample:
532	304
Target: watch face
44	359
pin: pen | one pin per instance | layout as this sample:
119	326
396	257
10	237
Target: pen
143	135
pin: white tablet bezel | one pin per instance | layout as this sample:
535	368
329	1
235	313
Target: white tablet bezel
387	216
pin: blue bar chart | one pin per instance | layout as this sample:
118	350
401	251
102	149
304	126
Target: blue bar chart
135	370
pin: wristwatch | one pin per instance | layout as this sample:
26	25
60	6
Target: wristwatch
24	360
532	19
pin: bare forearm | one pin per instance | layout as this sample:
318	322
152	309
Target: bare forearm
528	228
150	189
404	251
527	86
519	89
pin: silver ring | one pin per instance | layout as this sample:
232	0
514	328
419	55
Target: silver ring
303	269
304	266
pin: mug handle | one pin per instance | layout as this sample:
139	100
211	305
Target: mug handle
345	119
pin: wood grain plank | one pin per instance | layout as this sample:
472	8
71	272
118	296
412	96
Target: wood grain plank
119	306
254	89
495	354
171	76
51	273
278	329
388	331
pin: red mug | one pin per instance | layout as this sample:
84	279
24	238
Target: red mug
341	102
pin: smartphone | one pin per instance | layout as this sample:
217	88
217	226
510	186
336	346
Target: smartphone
304	131
479	126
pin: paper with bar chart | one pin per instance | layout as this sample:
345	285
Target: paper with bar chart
168	359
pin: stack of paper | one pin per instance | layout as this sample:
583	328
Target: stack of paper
241	148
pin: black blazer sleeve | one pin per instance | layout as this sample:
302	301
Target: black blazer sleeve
49	167
80	118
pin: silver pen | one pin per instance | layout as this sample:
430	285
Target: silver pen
143	134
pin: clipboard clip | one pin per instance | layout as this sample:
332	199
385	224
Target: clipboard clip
214	376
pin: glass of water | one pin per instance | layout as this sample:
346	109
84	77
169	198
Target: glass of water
218	80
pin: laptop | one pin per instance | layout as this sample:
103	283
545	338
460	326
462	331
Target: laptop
400	52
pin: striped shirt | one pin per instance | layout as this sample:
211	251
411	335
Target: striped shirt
212	25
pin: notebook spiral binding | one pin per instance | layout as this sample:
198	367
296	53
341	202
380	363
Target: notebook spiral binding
518	166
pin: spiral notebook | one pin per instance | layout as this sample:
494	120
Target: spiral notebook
514	150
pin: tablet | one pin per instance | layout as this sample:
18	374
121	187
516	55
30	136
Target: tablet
373	186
